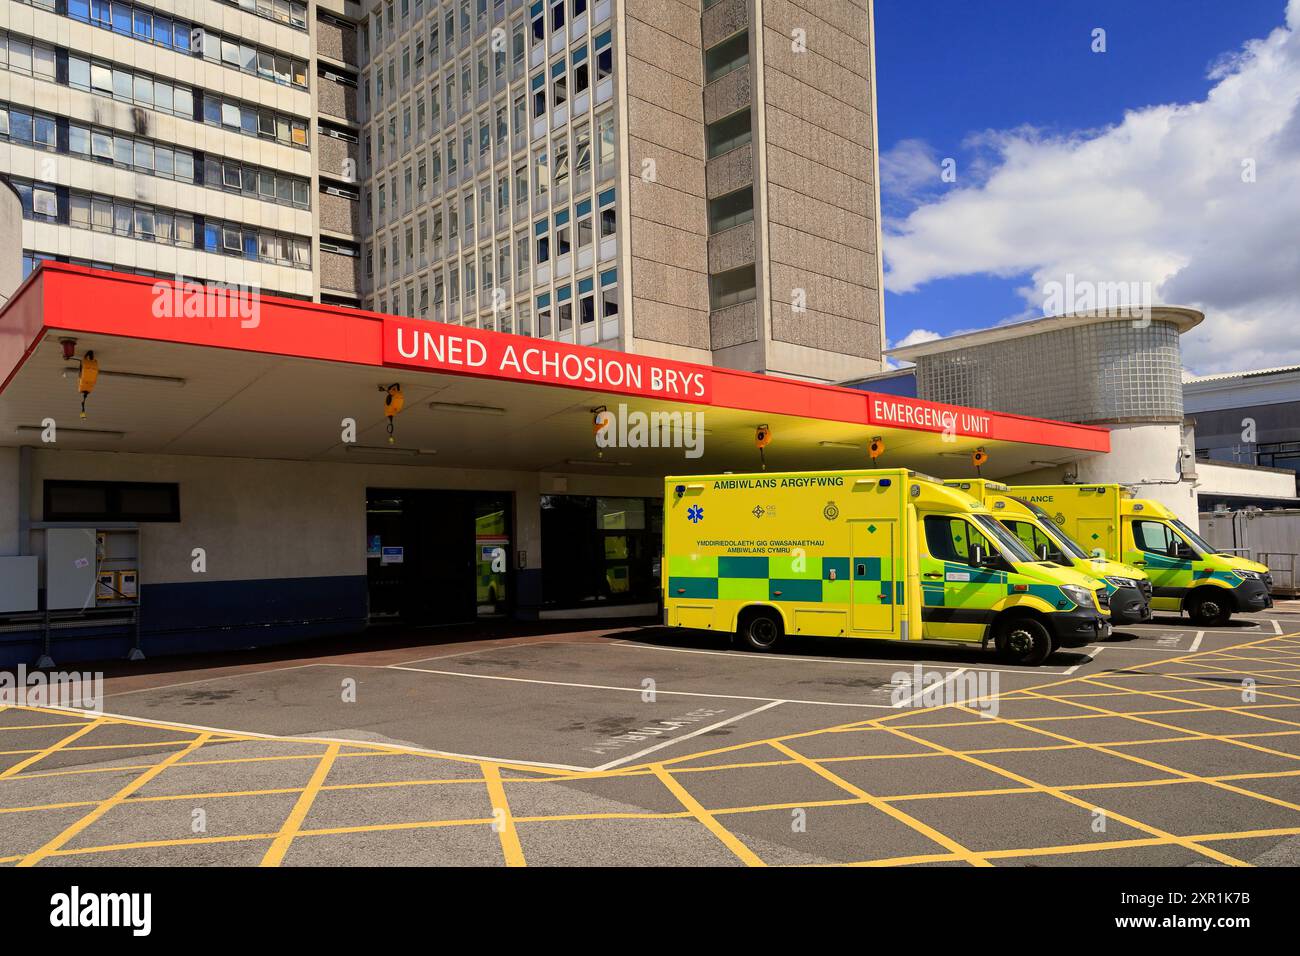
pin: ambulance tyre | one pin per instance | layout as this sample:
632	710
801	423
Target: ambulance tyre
759	629
1208	607
1023	640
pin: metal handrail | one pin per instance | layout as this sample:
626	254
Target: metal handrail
1270	558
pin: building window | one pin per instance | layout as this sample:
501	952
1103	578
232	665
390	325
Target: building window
728	133
731	288
728	55
733	209
112	501
600	551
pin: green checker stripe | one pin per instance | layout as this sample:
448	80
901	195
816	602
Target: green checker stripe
695	588
795	589
742	589
688	566
753	578
839	565
742	567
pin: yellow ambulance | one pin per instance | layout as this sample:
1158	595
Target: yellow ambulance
882	553
1187	574
1129	589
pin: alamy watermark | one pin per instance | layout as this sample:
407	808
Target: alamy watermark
625	428
975	690
184	299
24	688
1120	300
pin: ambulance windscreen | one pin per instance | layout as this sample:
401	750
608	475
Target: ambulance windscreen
1012	547
1057	534
1201	544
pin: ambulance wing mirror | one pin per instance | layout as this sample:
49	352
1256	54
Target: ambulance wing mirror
1043	552
977	556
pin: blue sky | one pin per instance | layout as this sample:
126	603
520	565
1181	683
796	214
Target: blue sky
951	70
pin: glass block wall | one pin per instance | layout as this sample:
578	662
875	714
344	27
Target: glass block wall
1110	371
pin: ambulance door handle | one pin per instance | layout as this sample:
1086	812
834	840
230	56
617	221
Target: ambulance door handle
933	574
862	571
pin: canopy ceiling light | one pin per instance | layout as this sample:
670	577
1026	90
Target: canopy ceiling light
354	449
137	376
67	430
467	408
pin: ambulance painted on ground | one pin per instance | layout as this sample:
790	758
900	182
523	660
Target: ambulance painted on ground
1130	589
883	553
1187	574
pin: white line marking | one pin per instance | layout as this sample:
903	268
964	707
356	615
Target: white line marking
632	690
693	733
774	658
204	680
1092	657
902	705
1277	626
481	650
1139	647
1200	636
401	748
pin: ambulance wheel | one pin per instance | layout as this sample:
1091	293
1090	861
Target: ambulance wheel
1023	640
1207	607
760	630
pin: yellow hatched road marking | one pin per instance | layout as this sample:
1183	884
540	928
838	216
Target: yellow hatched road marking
52	748
924	829
36	856
1071	798
503	822
729	839
276	851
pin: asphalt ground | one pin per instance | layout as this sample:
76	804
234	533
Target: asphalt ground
639	745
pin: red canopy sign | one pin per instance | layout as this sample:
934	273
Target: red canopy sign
451	348
928	416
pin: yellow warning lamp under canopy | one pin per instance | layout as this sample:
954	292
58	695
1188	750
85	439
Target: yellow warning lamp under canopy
762	438
599	422
877	448
87	378
393	403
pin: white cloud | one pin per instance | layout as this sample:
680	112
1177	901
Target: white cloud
908	170
1159	197
911	338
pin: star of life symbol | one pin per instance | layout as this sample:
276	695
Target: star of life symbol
695	514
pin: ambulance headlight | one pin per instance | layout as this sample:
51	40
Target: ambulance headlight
1080	596
1122	582
1248	575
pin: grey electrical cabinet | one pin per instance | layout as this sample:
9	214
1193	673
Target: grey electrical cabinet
18	584
69	568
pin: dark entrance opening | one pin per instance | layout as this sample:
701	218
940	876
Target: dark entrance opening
437	557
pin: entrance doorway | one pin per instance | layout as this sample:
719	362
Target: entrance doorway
437	557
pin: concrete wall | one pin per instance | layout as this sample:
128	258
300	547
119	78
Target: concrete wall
284	542
11	256
663	109
1244	480
819	188
261	519
9	502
